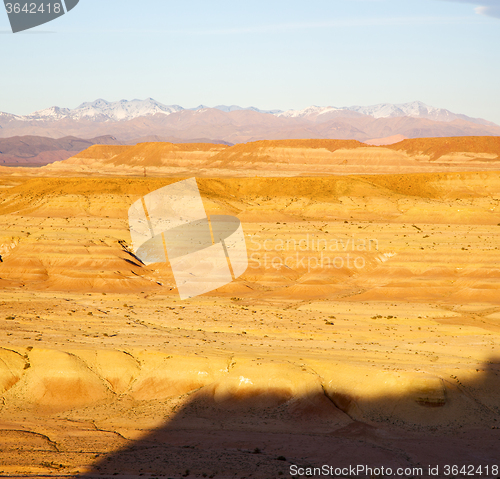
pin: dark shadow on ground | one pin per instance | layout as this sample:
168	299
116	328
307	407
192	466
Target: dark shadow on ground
263	434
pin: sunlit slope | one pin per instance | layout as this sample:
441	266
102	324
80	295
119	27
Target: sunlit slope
43	380
371	302
424	235
289	157
148	154
100	153
479	148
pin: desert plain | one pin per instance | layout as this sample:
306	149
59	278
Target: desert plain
365	330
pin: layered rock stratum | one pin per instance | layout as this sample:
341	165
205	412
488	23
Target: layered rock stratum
287	158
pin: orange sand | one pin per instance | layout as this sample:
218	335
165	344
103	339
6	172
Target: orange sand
308	358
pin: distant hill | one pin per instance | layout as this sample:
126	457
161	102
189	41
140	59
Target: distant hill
142	155
39	151
436	148
288	158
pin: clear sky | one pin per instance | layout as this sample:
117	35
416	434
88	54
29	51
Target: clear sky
269	54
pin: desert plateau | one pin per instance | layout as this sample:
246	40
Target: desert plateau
364	332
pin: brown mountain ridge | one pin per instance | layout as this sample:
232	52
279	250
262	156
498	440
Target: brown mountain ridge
38	150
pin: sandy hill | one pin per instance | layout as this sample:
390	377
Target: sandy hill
53	224
287	158
475	147
366	327
157	154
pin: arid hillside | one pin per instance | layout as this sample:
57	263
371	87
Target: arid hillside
471	147
39	151
287	158
155	155
365	329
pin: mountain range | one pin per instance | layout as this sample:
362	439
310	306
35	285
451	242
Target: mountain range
130	122
103	111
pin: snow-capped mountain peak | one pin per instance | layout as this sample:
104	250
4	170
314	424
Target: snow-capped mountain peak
122	110
312	110
52	113
101	110
415	109
230	108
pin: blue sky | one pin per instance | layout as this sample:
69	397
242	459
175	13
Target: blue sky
269	54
